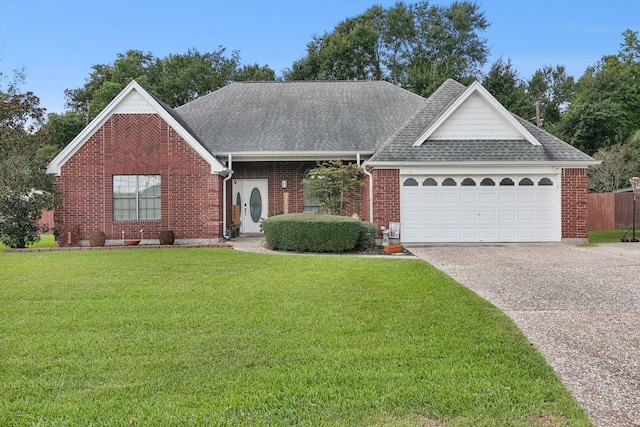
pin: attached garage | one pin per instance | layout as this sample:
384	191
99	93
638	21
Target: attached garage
480	208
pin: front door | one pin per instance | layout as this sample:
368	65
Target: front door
251	196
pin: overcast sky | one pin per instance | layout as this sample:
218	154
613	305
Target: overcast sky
57	42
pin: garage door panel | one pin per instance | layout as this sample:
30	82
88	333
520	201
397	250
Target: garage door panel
528	198
507	198
411	215
450	233
468	216
449	216
509	215
546	215
449	198
487	215
545	198
526	215
468	198
487	198
469	233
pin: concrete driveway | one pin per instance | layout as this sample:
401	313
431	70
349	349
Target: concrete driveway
580	306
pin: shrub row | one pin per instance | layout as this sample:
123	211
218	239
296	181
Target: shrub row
317	233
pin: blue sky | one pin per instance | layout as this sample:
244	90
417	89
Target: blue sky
58	41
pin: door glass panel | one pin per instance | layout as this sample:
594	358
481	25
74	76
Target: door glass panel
255	205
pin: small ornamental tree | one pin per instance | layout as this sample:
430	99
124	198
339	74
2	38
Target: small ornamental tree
334	185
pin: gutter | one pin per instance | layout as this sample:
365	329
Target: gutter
224	196
370	175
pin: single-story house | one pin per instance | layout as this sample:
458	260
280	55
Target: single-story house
454	167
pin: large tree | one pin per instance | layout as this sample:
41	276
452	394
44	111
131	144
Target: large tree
176	78
416	46
606	107
506	86
25	188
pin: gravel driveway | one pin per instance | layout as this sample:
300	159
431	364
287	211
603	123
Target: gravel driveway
580	306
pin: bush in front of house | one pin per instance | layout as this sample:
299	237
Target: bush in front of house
367	238
315	233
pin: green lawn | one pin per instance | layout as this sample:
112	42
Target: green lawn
609	236
46	241
216	337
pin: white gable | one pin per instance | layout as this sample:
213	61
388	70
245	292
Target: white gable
476	115
475	119
134	103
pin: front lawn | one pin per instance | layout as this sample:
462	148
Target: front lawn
46	241
609	236
216	337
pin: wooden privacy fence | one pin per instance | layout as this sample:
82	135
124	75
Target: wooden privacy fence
611	211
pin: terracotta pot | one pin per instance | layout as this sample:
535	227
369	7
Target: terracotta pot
131	242
392	249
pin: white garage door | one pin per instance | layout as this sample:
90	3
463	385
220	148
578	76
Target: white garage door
471	208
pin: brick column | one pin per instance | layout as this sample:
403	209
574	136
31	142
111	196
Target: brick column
574	205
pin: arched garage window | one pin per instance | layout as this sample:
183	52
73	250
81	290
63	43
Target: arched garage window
468	182
506	182
487	182
545	181
410	182
525	181
449	182
430	182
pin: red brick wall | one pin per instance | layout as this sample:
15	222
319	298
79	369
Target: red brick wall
386	196
574	203
138	144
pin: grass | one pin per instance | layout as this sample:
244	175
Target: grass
215	337
46	241
609	236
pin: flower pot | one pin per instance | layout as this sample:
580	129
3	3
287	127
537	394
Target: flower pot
392	249
97	238
131	242
166	237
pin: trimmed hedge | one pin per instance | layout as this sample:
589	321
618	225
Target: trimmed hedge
317	233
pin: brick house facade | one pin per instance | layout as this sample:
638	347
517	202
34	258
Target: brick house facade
196	164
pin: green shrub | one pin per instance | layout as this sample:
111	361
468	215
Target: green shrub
312	233
367	238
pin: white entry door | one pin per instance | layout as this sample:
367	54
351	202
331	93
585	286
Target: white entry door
251	196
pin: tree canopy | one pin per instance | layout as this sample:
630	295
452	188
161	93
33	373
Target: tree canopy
606	107
25	188
176	78
417	46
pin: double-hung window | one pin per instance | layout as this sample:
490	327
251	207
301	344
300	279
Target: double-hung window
136	197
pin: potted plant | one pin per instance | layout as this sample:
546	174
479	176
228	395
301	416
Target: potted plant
166	237
97	238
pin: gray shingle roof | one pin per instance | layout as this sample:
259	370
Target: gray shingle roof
400	147
304	116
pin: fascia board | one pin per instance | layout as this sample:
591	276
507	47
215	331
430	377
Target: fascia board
493	102
294	155
401	165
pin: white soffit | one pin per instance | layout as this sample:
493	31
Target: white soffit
476	115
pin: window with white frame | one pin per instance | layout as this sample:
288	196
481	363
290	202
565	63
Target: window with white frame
136	197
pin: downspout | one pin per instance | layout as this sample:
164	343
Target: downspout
370	175
224	197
